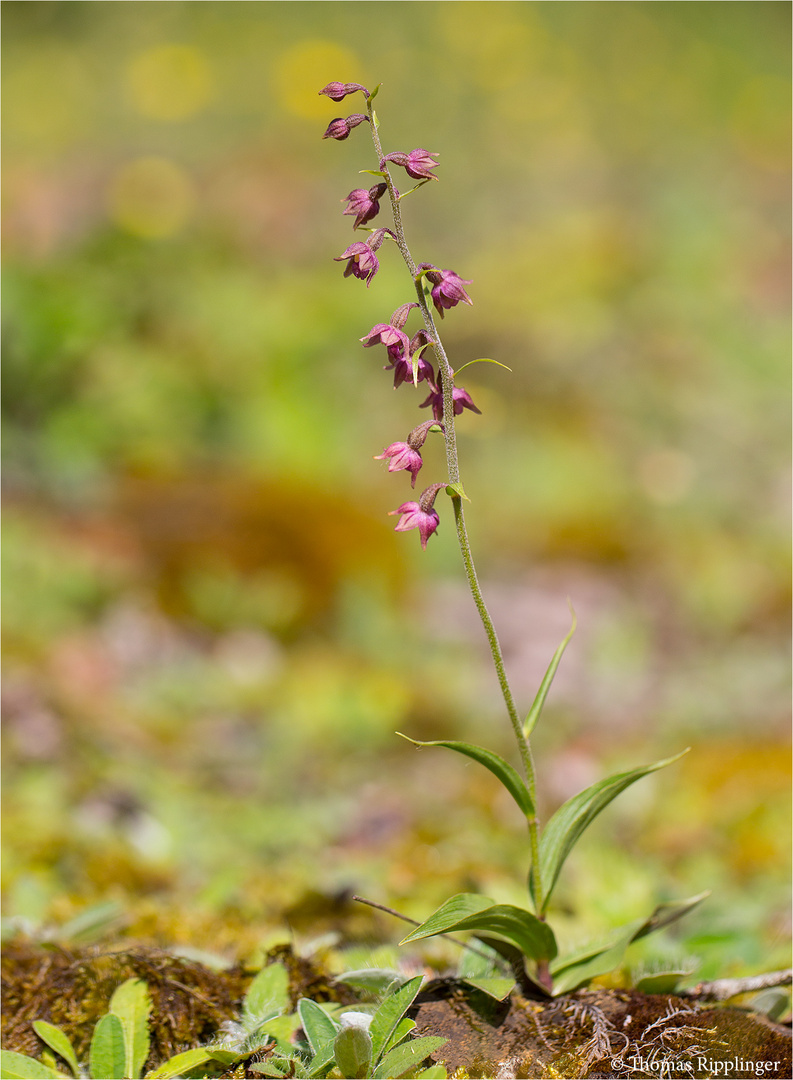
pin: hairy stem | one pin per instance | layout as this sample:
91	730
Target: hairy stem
446	373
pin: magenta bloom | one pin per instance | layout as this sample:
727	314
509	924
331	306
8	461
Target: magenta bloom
403	370
460	397
364	204
417	163
448	290
402	456
361	262
390	336
341	127
413	517
338	90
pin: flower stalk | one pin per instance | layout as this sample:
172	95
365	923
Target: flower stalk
446	373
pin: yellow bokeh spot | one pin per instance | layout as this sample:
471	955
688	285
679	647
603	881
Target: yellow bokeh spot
303	70
170	82
151	197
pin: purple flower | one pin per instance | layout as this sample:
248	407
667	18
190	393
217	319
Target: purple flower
361	262
420	515
460	397
447	288
400	316
403	370
338	90
341	127
388	335
364	204
417	163
402	456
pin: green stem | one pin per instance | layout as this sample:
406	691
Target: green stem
447	385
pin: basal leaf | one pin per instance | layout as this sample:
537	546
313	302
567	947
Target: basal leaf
660	982
501	769
405	1057
400	1032
318	1026
131	1003
108	1056
574	971
373	980
181	1063
448	914
668	912
598	961
466	911
389	1014
537	707
495	986
571	819
268	994
21	1067
58	1041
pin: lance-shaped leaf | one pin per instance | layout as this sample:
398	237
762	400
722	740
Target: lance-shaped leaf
57	1041
21	1067
131	1003
387	1017
182	1063
467	911
107	1057
545	685
573	971
572	818
501	769
668	912
403	1059
318	1026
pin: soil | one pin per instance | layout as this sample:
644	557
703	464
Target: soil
593	1033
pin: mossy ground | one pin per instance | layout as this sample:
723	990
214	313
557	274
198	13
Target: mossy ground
619	1033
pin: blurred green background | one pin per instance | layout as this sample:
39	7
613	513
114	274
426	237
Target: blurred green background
211	631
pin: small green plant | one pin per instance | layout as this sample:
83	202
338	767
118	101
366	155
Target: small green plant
522	935
119	1046
359	1044
363	1043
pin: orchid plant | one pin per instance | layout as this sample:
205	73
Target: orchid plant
522	936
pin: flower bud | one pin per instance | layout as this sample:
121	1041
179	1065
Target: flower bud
338	90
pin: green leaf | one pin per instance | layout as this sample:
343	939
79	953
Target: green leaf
389	1014
107	1057
501	769
21	1067
374	980
572	972
571	819
668	912
131	1003
497	987
268	994
181	1063
467	911
434	1072
405	1058
456	491
92	923
373	94
534	712
660	982
352	1049
594	961
318	1026
371	172
481	360
400	1032
57	1041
